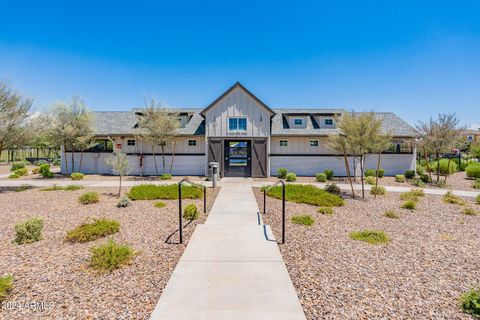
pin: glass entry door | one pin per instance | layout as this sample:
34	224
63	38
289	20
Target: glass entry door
237	158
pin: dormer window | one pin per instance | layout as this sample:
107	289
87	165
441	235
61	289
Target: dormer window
297	121
329	122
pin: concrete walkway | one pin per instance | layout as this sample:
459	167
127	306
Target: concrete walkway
232	267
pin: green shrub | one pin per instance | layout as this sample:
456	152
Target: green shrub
13	176
473	170
470	211
378	190
18	165
56	162
6	285
110	256
166	176
476	184
370	236
418	183
304	219
445	168
370	180
77	176
24	187
45	171
333	189
381	172
391	214
99	228
449	197
418	192
21	172
370	173
29	231
123	202
478	199
409	174
409	205
425	178
89	197
307	194
159	204
36	170
72	187
329	174
400	178
291	177
191	212
282	173
325	210
470	302
420	169
167	192
321	177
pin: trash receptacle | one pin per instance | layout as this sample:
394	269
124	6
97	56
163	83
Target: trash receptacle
213	172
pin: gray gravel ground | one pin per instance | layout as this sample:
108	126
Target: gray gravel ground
432	259
52	271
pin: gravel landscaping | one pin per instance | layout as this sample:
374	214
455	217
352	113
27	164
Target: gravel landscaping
431	259
55	272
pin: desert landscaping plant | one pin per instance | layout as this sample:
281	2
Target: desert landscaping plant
70	187
24	187
476	184
13	176
478	199
21	172
166	176
160	204
18	165
166	192
409	174
329	174
28	231
191	212
321	177
409	205
470	302
333	189
370	236
391	214
304	219
400	178
159	126
470	211
97	229
44	171
291	177
123	202
370	173
378	190
325	210
307	194
77	176
282	173
340	144
449	197
473	170
370	180
6	285
110	256
89	197
120	165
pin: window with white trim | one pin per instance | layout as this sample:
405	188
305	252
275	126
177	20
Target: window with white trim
130	142
192	143
297	121
313	143
283	143
329	122
237	124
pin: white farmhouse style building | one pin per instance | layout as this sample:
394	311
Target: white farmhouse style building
247	138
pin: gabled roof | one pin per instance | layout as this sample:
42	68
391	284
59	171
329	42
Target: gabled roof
235	86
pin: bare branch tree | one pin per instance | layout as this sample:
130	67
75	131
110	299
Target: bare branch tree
120	165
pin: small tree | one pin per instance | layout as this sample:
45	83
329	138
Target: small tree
380	142
159	126
120	165
71	124
437	137
360	131
14	118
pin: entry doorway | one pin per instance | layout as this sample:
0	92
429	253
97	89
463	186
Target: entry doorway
238	157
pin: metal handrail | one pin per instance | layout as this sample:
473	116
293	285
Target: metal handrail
180	214
283	204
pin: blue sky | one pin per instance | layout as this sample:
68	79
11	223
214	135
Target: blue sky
415	58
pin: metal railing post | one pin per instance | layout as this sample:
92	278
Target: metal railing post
180	226
264	201
283	212
204	200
